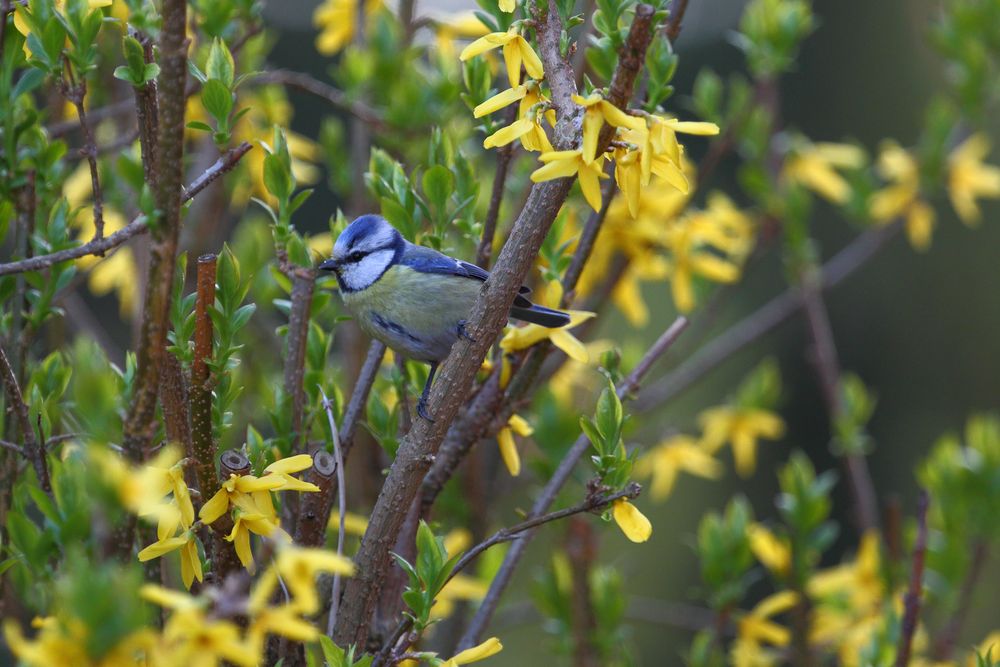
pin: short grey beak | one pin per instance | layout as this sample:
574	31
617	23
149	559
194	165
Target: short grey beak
329	265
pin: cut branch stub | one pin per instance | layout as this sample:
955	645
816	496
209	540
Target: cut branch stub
234	462
314	508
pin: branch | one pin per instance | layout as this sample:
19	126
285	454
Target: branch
829	373
486	319
911	601
31	449
334	96
562	474
594	502
338	456
140	421
752	327
202	441
303	282
677	10
139	225
75	93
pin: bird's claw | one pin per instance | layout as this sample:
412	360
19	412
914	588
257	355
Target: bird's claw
463	332
422	410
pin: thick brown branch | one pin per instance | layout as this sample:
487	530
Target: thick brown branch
911	602
202	440
31	448
139	225
140	421
303	281
562	474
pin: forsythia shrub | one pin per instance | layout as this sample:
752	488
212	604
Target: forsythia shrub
191	497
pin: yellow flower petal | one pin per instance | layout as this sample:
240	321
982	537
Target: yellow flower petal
499	101
488	648
291	464
508	451
633	523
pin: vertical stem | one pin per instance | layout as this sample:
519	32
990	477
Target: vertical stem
202	441
911	602
828	370
504	154
581	549
140	421
32	448
303	282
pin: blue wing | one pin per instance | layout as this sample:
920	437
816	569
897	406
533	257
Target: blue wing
426	260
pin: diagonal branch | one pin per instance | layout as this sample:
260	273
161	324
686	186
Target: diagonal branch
562	474
333	96
139	225
911	601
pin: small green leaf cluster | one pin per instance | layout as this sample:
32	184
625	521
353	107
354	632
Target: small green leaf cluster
611	462
218	92
804	505
724	554
427	576
334	656
280	183
136	70
50	28
771	32
850	437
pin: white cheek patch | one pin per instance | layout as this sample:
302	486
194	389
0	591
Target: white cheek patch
380	237
361	274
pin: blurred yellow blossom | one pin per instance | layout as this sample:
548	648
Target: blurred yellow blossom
337	23
692	254
354	524
773	552
969	178
742	428
633	523
902	197
815	166
508	448
516	51
676	454
298	567
521	338
451	27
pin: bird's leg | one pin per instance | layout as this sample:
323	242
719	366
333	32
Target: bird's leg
463	332
422	403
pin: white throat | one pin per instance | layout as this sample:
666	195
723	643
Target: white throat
364	273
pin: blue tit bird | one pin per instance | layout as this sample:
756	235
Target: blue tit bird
414	299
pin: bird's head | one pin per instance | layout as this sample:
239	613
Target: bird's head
363	252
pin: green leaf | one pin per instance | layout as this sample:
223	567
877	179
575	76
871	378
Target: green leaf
332	654
277	177
438	184
609	417
198	125
28	82
217	99
227	273
220	64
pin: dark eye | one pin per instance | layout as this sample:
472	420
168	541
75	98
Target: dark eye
355	257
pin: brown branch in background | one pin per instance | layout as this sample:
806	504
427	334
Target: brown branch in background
766	318
944	645
504	155
147	114
677	10
911	601
333	96
626	388
581	551
203	448
828	369
64	127
34	451
594	502
139	225
303	281
75	93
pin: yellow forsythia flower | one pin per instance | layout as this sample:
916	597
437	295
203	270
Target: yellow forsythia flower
902	197
815	166
633	523
516	51
969	178
508	448
488	648
337	23
680	453
562	164
742	428
521	338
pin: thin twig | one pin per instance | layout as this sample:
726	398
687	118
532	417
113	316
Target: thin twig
62	128
31	449
677	10
138	225
75	93
752	327
829	372
342	509
911	602
945	643
334	96
552	488
593	503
